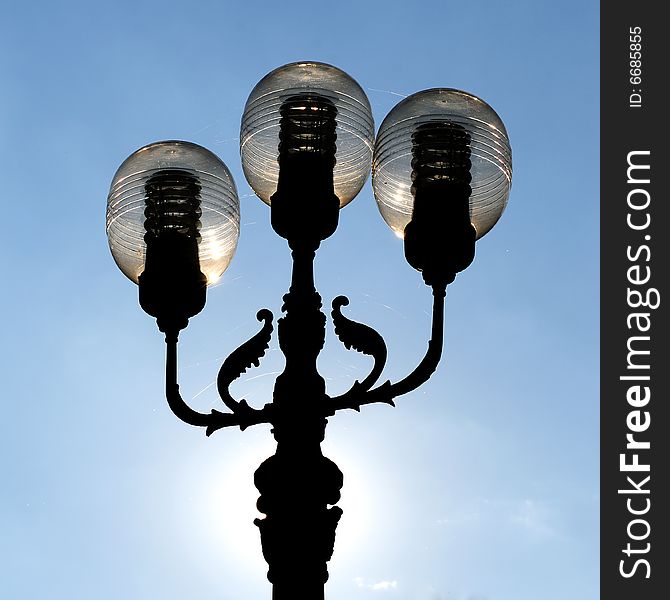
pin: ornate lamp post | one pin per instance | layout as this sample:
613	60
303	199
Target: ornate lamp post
441	170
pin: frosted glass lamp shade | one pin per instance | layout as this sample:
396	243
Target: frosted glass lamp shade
427	115
308	87
177	189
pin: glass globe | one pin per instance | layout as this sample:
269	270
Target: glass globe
428	115
319	87
178	187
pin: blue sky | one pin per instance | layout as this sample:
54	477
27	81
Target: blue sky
483	485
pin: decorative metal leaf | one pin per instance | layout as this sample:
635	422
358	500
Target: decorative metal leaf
361	338
247	355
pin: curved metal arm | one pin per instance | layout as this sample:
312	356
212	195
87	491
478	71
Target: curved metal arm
361	338
427	366
212	421
385	393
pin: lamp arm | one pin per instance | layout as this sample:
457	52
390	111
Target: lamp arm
385	393
428	364
212	421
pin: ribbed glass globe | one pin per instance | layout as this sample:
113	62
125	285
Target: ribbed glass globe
430	112
259	134
178	186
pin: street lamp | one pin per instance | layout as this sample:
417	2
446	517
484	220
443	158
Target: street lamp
441	173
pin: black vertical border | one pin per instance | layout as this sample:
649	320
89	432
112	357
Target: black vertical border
625	129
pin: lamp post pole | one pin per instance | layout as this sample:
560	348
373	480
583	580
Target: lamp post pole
183	188
298	483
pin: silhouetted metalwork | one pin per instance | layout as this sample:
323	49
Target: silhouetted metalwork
440	239
298	485
441	175
172	288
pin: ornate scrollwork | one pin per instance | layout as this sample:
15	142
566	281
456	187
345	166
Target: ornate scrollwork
247	355
361	338
359	395
243	416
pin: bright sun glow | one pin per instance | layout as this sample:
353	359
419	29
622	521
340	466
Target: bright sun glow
226	499
211	245
359	505
212	277
229	500
212	251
